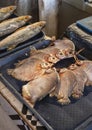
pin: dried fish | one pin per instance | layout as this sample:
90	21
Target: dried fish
86	65
81	78
66	47
37	89
5	12
40	54
29	69
9	26
67	83
21	35
61	49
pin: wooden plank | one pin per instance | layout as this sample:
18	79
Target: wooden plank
2	86
6	123
16	104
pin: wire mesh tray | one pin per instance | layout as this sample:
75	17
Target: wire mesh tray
50	113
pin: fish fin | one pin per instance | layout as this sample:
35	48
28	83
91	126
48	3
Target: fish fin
63	70
29	102
6	20
25	17
20	28
9	71
20	62
51	43
11	47
64	101
33	50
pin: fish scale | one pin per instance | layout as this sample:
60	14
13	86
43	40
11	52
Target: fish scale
21	35
11	25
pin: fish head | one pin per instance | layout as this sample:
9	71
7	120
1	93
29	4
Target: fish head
79	62
8	9
53	59
40	24
62	71
45	65
61	54
73	66
24	18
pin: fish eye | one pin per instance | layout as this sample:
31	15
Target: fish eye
46	64
26	17
53	57
11	8
60	53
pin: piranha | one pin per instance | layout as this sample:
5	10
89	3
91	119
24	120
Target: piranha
61	48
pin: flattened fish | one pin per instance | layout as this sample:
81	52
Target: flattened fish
40	54
66	47
61	49
9	26
86	65
5	12
67	84
21	35
29	69
37	89
81	78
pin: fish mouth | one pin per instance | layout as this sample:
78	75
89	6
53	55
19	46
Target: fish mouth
12	7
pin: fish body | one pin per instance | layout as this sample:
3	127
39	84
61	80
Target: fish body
5	12
21	35
9	26
65	87
66	48
29	69
87	68
38	88
82	79
64	44
61	49
40	54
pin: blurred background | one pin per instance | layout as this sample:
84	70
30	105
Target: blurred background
59	14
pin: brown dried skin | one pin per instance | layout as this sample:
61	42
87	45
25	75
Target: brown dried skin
61	49
86	65
38	88
67	84
9	26
21	35
81	78
40	54
51	50
65	46
5	12
29	69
